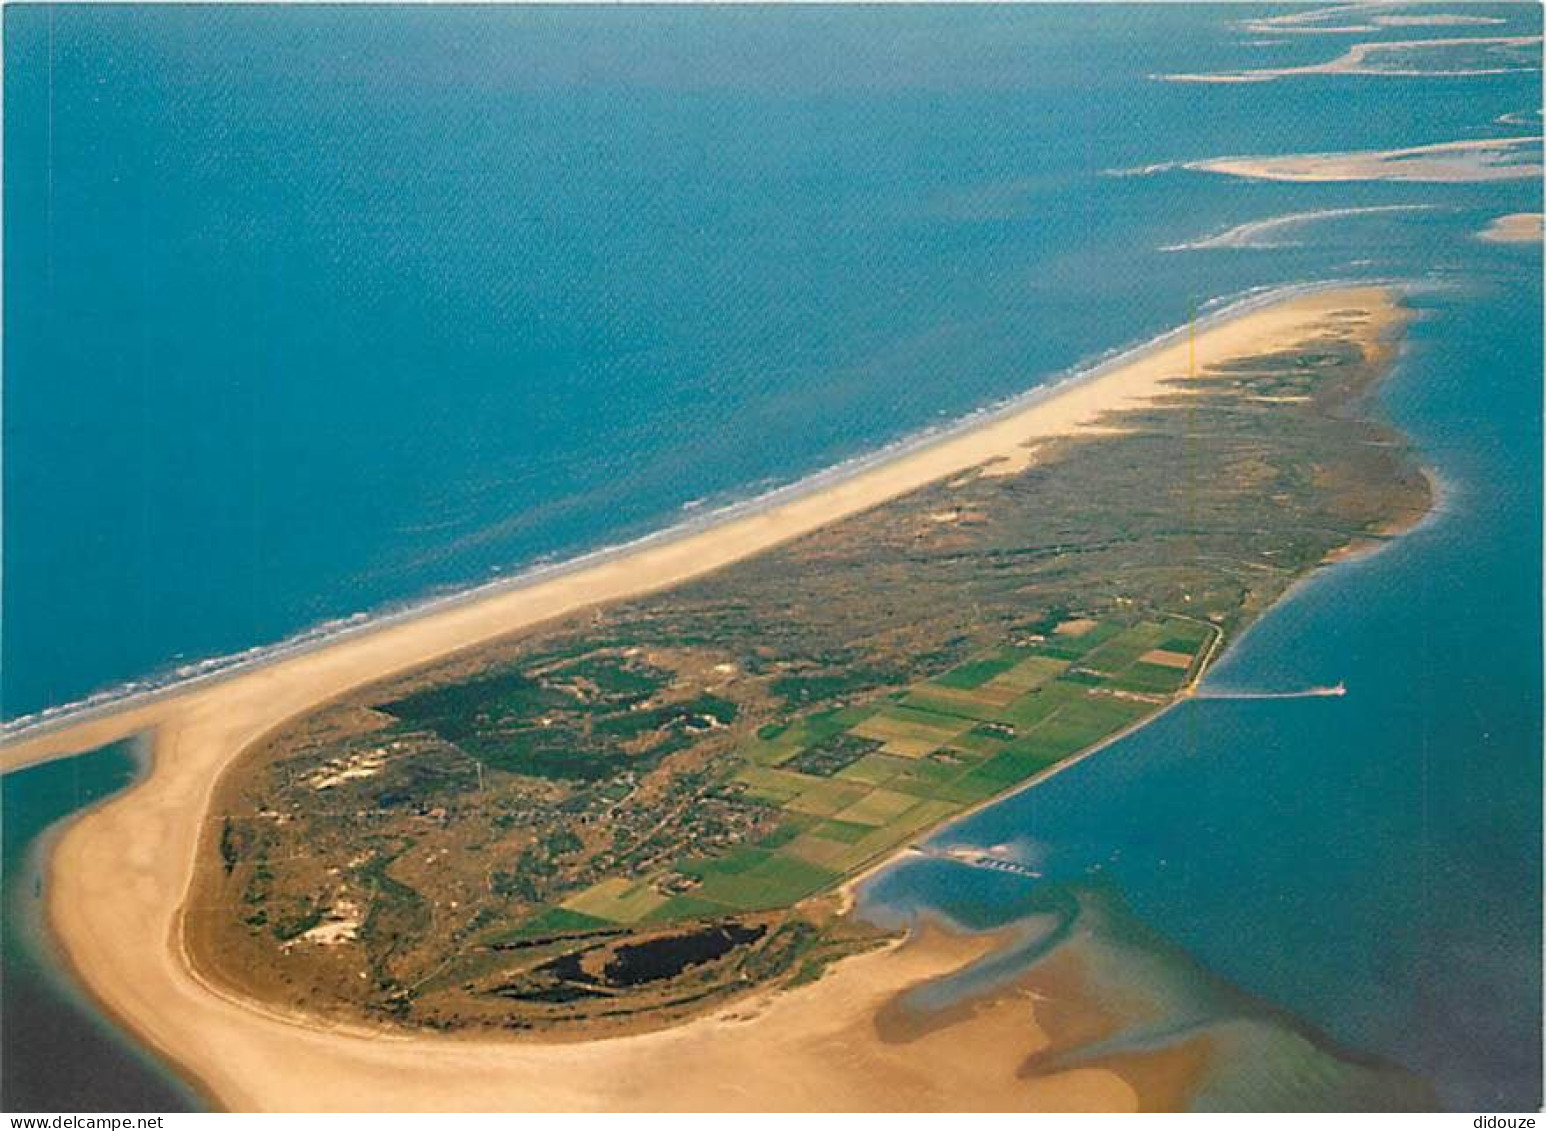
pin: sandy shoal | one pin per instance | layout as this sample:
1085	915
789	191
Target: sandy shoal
1356	61
120	873
1449	162
1517	227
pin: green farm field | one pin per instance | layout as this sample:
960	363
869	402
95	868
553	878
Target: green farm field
921	756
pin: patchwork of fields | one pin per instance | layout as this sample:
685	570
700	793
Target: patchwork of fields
852	784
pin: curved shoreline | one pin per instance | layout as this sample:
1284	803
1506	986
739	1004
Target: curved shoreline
119	875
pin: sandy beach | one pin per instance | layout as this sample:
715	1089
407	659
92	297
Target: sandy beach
1517	227
120	873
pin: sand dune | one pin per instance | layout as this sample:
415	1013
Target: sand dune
1517	227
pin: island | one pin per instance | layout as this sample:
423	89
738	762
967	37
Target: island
631	800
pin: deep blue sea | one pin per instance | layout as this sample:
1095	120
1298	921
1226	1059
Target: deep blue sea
315	311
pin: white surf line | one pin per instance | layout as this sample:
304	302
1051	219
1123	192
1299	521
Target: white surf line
1248	235
142	692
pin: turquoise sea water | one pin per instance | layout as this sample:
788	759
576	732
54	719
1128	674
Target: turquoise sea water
315	311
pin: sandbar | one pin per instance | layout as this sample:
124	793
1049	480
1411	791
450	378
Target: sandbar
1449	162
1517	227
1260	234
1358	60
1313	21
120	873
